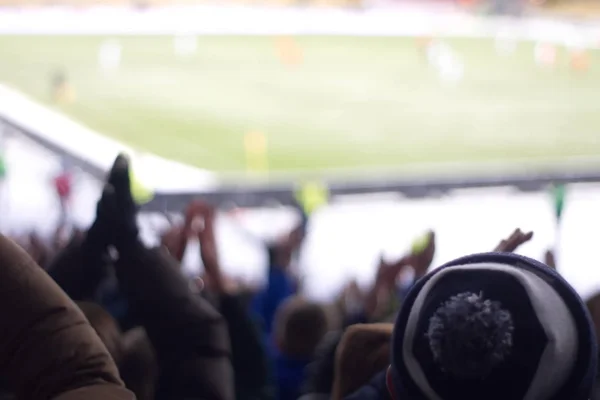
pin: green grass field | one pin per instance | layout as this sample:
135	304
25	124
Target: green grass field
352	103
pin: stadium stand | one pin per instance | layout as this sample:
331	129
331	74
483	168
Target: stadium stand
158	3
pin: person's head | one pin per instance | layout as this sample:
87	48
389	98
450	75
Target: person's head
492	326
299	326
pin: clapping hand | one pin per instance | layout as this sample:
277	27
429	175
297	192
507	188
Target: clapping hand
550	259
516	239
204	226
422	255
116	215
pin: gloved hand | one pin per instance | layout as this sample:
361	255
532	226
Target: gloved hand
116	215
97	237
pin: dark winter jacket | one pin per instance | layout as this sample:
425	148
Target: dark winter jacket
190	337
80	268
320	372
49	350
249	358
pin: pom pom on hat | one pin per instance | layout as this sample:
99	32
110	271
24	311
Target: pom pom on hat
469	335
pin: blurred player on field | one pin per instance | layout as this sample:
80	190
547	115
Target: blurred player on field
61	90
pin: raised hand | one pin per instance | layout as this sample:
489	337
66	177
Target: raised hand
175	239
170	238
422	254
208	245
550	259
516	239
119	179
387	273
385	280
117	211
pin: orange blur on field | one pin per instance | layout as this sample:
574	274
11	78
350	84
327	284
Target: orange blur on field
289	51
580	61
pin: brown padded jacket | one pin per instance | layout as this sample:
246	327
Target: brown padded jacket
48	350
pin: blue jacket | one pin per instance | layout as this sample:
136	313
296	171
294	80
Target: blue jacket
289	375
279	287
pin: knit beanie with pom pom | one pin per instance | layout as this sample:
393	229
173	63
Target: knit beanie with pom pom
493	326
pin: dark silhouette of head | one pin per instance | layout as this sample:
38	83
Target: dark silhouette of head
299	326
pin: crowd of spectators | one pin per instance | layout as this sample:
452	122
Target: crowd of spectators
96	314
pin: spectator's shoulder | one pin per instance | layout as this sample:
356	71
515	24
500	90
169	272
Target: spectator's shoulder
376	389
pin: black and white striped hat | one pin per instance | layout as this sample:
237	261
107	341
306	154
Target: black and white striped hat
493	326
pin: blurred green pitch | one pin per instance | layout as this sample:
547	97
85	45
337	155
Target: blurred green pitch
351	103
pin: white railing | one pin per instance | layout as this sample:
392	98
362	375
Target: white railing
99	151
